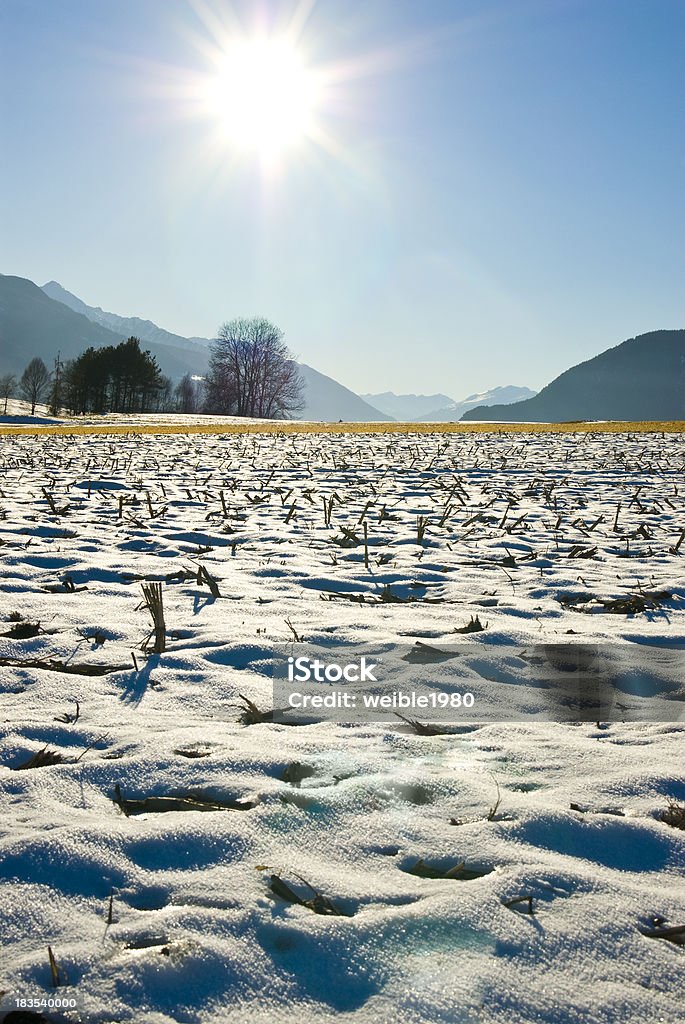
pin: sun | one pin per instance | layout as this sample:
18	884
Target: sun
263	96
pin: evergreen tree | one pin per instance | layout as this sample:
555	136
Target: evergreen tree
117	378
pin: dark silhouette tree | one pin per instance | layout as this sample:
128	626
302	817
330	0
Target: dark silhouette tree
252	372
34	382
8	386
116	378
164	400
85	381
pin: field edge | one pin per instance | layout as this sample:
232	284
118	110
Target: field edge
296	427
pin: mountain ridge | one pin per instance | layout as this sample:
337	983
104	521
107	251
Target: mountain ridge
642	378
34	323
503	395
441	408
134	326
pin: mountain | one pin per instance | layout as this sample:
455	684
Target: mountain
406	407
44	321
325	399
643	378
126	326
455	411
32	324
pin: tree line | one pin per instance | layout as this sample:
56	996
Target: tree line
116	378
251	373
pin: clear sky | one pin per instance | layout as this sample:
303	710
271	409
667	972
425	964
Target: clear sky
445	195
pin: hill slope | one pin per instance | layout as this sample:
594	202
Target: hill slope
325	399
32	324
406	407
641	379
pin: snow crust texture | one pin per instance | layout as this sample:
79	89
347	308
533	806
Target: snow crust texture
161	912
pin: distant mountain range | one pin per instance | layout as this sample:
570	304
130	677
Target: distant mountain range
406	407
442	408
44	321
640	379
455	410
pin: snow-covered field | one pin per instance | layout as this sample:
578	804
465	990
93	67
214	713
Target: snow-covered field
19	415
176	912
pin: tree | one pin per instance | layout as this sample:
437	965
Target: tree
117	378
134	378
186	394
164	401
34	381
85	381
8	385
252	372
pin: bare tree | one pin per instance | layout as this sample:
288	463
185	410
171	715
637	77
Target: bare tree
186	393
164	398
252	372
8	386
34	381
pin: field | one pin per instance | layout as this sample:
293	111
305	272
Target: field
211	425
169	853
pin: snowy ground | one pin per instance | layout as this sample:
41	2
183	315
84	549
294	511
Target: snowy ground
532	541
19	415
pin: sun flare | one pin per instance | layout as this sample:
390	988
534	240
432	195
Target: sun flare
263	96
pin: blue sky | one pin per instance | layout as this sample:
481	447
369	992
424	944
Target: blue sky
500	195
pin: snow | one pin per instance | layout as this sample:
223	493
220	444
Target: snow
19	414
196	934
